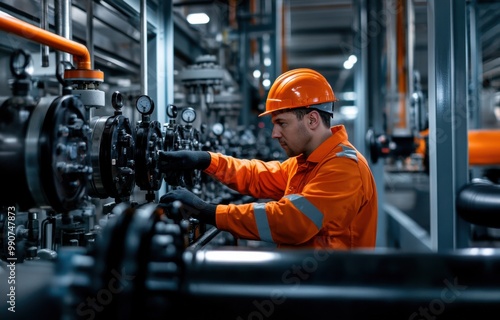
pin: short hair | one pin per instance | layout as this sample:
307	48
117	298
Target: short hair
301	112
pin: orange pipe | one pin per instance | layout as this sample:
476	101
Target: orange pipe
401	63
233	22
81	55
284	61
484	147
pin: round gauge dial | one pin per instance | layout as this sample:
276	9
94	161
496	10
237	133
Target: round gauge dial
188	115
144	104
218	128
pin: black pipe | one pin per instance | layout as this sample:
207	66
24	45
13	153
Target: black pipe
234	283
479	203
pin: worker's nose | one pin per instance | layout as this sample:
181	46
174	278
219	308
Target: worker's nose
275	134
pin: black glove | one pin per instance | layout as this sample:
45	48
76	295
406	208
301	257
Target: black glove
192	205
183	160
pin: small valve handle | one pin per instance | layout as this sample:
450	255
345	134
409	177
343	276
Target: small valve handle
172	111
20	62
117	102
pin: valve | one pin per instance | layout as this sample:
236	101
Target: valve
112	154
149	141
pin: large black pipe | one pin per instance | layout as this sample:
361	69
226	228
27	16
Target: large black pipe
479	203
235	283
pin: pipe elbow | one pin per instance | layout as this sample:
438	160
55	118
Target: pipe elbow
479	203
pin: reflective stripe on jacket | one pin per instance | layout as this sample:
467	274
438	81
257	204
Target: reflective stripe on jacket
328	200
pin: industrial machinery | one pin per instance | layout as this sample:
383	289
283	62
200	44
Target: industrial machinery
142	268
82	235
112	154
45	146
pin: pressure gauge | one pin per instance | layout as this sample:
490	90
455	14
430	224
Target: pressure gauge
144	104
188	115
218	128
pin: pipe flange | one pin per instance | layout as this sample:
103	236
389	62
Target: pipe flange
149	143
57	154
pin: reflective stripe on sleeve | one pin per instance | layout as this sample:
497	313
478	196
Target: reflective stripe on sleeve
299	202
259	210
307	209
348	152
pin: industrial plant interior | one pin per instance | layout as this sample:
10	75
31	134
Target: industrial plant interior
94	90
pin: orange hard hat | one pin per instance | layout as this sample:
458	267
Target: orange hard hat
300	88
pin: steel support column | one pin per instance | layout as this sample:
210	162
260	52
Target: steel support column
474	49
244	49
369	83
164	54
447	120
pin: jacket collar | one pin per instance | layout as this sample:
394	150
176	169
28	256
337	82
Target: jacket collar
339	135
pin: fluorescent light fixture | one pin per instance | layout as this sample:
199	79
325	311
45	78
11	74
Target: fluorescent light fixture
198	18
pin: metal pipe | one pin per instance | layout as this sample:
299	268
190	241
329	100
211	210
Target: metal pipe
307	284
90	30
144	47
63	28
208	236
64	20
479	203
44	23
25	30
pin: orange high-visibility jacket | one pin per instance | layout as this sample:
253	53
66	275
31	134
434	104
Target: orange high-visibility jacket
327	201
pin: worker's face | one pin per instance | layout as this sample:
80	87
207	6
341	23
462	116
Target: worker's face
292	134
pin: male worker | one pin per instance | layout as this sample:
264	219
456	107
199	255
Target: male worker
322	196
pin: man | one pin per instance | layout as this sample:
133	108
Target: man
322	196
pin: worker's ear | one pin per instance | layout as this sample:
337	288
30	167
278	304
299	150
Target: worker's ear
313	118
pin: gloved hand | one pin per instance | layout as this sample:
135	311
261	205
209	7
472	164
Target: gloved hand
183	160
192	205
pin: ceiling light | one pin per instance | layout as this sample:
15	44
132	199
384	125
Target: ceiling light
349	63
198	18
